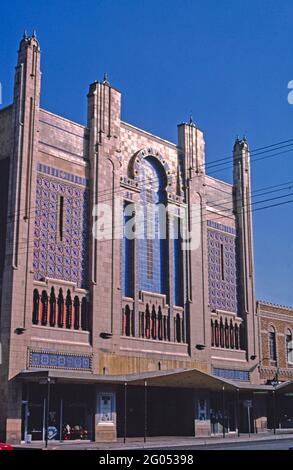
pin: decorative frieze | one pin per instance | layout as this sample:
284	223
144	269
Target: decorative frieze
59	360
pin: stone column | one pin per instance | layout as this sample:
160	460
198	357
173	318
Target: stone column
104	104
242	208
192	157
17	283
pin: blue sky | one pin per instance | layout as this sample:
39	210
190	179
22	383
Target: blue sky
226	62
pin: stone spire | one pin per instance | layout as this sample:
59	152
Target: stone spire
243	209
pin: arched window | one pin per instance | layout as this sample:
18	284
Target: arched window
142	324
212	333
127	321
232	336
76	306
182	329
85	324
147	322
178	328
60	309
52	318
177	260
154	323
165	328
222	339
272	344
227	334
68	310
160	324
236	337
153	246
128	249
36	306
44	302
241	336
289	346
217	334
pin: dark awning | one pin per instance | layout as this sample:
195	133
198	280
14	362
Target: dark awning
175	378
285	387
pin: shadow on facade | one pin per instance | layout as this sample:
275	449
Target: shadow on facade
153	410
169	412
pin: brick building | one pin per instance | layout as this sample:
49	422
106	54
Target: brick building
121	335
276	353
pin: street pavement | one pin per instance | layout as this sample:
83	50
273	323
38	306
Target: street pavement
280	444
244	442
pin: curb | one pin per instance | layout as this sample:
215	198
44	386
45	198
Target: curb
165	445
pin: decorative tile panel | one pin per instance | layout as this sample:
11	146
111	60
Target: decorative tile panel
63	175
222	279
57	360
231	374
223	228
65	259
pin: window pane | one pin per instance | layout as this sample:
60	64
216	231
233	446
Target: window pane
272	345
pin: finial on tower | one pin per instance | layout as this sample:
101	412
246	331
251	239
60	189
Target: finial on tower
241	143
191	121
34	34
24	34
105	80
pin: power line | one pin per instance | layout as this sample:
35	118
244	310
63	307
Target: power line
150	180
118	189
253	160
112	229
214	218
252	152
231	200
228	215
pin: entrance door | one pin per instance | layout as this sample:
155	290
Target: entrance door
231	418
246	416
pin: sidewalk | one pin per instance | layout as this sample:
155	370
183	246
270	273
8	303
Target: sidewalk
153	442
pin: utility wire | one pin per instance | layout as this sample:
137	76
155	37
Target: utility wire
122	190
111	230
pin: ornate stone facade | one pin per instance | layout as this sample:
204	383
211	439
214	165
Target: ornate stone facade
71	302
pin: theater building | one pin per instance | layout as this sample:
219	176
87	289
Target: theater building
126	337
